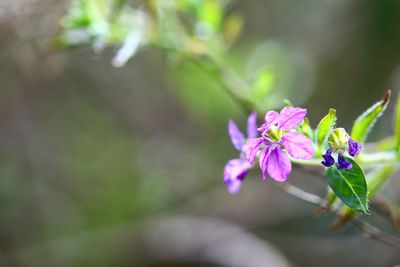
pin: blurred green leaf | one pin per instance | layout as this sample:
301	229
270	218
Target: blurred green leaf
262	83
211	13
200	94
290	69
397	126
86	21
232	27
366	121
118	5
85	13
77	15
377	178
191	7
350	186
324	127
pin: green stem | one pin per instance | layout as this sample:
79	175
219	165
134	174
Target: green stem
310	162
379	157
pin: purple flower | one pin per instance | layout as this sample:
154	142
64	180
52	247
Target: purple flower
343	164
236	169
328	159
276	136
354	148
340	142
234	173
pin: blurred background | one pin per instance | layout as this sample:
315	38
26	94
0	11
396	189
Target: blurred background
106	166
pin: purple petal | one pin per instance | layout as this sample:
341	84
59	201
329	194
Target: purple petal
354	147
263	160
328	159
271	117
290	117
236	135
298	146
252	125
234	173
236	169
278	165
234	186
252	147
343	164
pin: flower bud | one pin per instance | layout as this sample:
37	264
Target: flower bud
338	140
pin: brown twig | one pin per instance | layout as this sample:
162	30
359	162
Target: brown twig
376	233
303	195
367	228
387	210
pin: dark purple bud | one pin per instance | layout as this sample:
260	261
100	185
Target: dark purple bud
343	164
354	147
328	159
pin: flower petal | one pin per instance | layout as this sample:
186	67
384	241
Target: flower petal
328	159
252	147
235	169
271	117
278	165
234	173
290	117
252	125
263	159
298	146
234	186
236	135
343	164
354	148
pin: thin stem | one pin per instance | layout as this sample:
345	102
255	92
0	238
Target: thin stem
367	228
303	195
378	157
376	233
387	210
310	162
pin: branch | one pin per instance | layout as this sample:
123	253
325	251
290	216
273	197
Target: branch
387	210
303	195
376	233
367	228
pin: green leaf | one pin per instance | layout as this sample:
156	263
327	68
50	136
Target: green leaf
350	186
232	27
211	13
377	177
366	121
262	83
325	126
397	126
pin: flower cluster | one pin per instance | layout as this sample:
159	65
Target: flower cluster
339	142
278	138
